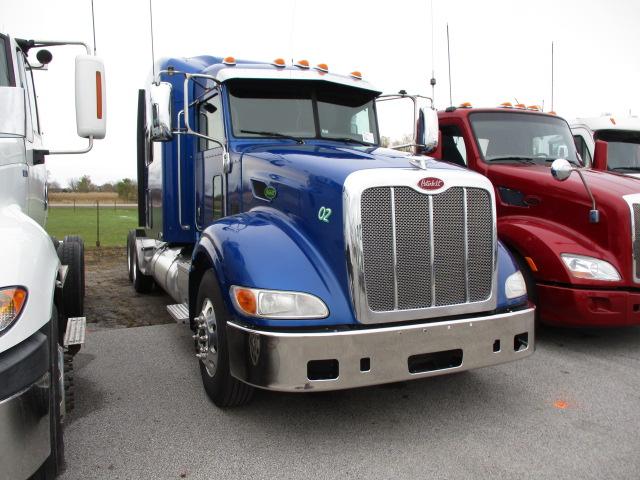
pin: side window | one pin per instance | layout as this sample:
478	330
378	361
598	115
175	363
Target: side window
454	148
24	83
583	149
218	211
5	73
35	119
210	123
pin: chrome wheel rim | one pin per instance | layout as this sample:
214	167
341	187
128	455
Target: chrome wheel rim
207	337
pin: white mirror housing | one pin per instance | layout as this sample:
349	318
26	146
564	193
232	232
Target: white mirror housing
160	112
91	97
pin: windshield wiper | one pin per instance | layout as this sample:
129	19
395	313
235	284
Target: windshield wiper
513	158
622	169
274	134
349	139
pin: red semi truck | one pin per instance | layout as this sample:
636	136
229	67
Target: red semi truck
574	231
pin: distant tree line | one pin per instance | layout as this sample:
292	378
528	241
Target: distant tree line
127	189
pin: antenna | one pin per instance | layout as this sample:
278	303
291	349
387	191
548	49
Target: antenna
93	21
153	56
293	26
552	109
449	61
433	73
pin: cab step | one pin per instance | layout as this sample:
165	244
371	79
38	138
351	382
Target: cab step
76	328
179	312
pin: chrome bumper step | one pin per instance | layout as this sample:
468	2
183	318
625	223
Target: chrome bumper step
76	328
179	312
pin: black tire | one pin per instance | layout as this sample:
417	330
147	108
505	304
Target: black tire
69	384
72	255
221	387
78	239
141	283
131	239
55	463
55	241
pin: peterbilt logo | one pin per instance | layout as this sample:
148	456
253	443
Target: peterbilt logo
430	183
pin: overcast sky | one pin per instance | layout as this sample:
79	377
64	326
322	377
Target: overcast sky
500	50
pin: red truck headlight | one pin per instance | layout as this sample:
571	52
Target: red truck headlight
12	301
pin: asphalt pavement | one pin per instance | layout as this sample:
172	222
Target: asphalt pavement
571	411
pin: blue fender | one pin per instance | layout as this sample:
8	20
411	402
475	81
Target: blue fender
263	248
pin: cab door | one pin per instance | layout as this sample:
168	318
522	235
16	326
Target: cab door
211	180
37	194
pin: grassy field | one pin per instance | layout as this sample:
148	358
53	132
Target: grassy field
114	224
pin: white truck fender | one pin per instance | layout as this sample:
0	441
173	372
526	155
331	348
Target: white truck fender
27	259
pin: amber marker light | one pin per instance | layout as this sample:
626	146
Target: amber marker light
531	263
521	105
246	300
229	61
465	105
279	62
99	95
356	74
12	301
302	64
535	108
506	105
323	67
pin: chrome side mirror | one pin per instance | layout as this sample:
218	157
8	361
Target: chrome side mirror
161	112
561	169
427	129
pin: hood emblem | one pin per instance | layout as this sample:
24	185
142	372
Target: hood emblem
431	183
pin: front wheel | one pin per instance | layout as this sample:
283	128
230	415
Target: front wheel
211	344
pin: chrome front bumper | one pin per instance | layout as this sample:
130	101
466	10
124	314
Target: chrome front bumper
357	358
24	431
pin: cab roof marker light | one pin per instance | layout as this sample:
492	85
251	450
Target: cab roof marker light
356	74
231	61
535	108
304	64
506	105
322	67
552	113
465	105
521	105
279	62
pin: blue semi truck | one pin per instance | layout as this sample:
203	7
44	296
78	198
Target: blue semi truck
303	256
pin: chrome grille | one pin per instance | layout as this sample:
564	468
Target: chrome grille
421	251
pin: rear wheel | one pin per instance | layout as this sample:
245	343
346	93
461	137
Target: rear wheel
71	254
141	283
211	343
131	242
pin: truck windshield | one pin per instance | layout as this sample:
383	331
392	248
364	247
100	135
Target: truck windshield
623	149
302	110
521	137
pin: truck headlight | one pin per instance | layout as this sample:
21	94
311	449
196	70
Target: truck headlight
590	268
12	300
277	304
515	285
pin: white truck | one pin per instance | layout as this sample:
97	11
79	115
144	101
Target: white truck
41	279
617	136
